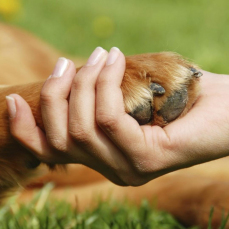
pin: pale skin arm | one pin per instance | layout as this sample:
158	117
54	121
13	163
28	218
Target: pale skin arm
93	128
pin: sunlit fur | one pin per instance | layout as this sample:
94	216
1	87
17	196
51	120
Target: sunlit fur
168	69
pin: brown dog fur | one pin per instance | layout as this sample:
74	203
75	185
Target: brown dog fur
18	164
193	190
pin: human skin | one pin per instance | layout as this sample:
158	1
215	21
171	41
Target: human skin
93	128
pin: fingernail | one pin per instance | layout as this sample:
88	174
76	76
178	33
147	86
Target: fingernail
113	55
60	67
11	106
95	56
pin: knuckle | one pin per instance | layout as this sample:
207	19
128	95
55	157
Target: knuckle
80	135
57	143
106	121
76	82
81	80
145	167
133	177
140	168
46	96
103	81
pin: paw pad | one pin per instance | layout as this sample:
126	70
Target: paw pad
171	83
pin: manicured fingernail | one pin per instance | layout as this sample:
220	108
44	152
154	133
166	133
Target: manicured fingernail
113	55
11	106
95	56
60	67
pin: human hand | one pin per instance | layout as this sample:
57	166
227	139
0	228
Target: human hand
202	134
93	128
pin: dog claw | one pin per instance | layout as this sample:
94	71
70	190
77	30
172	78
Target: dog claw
157	89
196	73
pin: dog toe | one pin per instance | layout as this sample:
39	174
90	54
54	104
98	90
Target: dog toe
174	105
143	114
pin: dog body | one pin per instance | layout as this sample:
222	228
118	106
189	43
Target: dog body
24	61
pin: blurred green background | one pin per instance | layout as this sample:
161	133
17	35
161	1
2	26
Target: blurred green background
197	29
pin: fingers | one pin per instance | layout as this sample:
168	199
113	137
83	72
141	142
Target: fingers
110	114
82	99
23	127
54	103
54	107
121	151
144	147
82	124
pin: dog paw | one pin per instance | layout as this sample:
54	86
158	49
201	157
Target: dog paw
159	88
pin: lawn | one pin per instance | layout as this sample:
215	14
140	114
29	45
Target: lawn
42	213
59	215
196	29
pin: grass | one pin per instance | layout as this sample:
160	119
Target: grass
195	29
108	215
46	214
105	216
